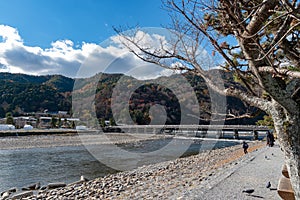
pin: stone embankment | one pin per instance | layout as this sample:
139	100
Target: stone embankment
171	179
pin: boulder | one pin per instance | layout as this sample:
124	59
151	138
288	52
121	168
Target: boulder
34	186
37	186
44	187
22	195
9	191
55	185
12	190
82	178
76	182
5	195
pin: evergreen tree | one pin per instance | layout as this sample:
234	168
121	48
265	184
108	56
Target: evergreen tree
9	118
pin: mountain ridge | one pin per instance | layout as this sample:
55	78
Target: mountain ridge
22	93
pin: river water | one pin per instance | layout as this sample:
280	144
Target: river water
21	167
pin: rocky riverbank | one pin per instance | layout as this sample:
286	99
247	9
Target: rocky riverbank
72	139
157	181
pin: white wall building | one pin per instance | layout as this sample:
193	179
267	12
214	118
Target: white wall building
6	127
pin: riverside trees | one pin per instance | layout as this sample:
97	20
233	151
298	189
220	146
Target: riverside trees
9	118
258	41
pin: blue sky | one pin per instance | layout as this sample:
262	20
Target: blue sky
41	22
42	37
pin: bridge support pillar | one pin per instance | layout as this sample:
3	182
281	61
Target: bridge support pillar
203	133
236	134
219	134
255	135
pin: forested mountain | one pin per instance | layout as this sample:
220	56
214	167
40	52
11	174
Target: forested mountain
20	94
147	94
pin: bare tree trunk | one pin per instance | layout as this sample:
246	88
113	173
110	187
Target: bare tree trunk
288	132
293	164
293	158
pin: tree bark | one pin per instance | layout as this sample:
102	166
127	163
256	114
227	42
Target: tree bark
293	158
293	164
287	127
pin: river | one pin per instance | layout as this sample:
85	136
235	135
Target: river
20	167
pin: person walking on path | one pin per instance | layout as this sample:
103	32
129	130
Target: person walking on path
245	147
270	139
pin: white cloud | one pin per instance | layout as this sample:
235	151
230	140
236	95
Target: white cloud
80	60
151	42
9	34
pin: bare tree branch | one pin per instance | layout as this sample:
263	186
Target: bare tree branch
280	72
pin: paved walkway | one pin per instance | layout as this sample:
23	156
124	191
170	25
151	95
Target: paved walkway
253	171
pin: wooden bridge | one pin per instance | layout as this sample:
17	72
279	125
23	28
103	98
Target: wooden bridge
217	131
201	131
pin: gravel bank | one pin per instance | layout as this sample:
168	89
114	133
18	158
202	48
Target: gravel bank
44	141
176	179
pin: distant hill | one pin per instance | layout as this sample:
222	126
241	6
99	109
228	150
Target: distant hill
23	78
149	94
20	93
61	83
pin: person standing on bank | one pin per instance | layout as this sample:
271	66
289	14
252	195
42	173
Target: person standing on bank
245	147
270	139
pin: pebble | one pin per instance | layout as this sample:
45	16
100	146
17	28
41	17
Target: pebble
5	195
22	195
159	181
